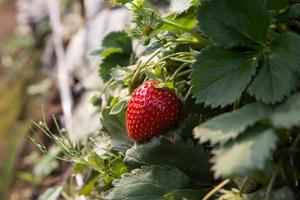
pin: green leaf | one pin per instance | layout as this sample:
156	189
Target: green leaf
120	75
51	193
190	159
118	40
95	162
279	75
111	50
148	183
112	61
88	187
219	76
116	51
276	4
185	19
287	114
283	193
229	125
244	155
117	108
294	12
190	194
234	22
179	6
116	129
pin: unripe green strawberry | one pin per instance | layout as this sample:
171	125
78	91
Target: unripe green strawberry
150	111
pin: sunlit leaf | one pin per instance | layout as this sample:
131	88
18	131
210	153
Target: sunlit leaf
229	125
220	76
245	154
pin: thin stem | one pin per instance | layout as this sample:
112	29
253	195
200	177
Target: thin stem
244	183
107	84
186	72
186	40
216	189
140	66
175	54
236	104
181	67
297	140
188	94
270	185
182	60
294	146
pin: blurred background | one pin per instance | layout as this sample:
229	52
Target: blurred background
45	71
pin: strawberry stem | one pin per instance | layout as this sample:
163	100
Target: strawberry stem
140	66
216	189
188	94
270	185
181	67
184	73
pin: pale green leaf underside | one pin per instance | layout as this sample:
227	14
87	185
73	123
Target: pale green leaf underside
279	75
147	183
220	76
234	22
229	125
244	155
287	114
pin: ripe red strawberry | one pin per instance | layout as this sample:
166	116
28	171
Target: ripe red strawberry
150	111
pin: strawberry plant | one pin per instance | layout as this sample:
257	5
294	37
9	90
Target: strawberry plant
208	109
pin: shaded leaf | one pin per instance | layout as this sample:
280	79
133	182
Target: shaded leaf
279	75
229	125
293	12
283	193
246	154
116	51
220	76
111	61
234	22
287	114
118	40
276	4
148	183
190	194
190	159
116	129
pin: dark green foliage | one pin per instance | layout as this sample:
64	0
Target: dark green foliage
148	183
116	51
177	154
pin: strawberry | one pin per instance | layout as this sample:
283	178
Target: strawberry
150	111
